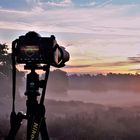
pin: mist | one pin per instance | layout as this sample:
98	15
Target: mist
110	98
80	106
111	89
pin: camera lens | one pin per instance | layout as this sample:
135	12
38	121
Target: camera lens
57	56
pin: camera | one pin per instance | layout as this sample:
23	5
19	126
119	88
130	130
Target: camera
31	48
37	53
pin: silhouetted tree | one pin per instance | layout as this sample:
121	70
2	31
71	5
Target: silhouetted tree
102	83
58	81
5	60
6	71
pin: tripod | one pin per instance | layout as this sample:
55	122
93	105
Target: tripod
35	111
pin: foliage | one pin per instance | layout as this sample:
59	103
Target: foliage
86	121
6	72
58	82
3	53
102	83
5	60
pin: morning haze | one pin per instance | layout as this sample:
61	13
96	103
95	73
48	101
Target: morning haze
96	96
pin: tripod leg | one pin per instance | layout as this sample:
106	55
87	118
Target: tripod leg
36	126
29	125
15	126
43	130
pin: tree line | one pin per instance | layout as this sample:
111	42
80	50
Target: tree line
110	81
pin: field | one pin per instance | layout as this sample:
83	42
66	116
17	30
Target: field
75	120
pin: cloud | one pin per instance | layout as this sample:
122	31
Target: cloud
94	21
77	66
67	3
93	3
111	64
106	3
62	3
135	70
129	65
93	33
103	64
134	60
128	61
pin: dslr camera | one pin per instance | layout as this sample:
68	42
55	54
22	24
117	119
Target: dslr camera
31	48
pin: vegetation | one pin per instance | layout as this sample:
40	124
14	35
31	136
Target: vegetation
5	60
58	82
86	121
81	121
102	83
6	72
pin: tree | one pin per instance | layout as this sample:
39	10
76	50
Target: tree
5	60
3	53
6	71
58	81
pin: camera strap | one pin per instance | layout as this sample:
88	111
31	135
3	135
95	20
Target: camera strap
13	75
13	116
47	69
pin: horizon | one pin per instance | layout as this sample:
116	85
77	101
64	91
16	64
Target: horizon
104	39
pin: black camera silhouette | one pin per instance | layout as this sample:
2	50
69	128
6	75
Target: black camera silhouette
34	49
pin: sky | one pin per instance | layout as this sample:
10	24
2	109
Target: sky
101	36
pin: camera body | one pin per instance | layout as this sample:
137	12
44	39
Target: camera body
34	49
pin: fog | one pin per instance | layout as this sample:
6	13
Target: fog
81	107
111	90
110	98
